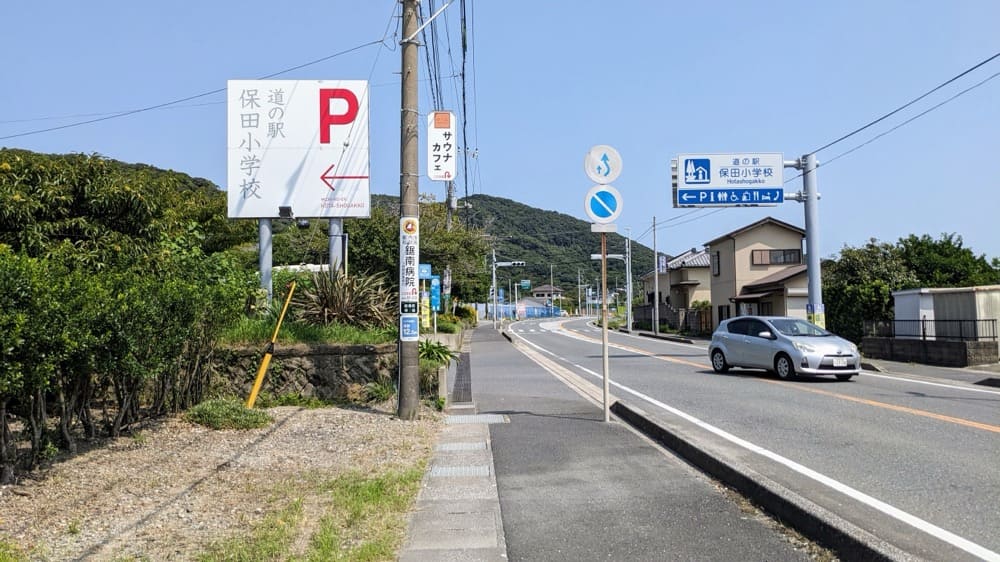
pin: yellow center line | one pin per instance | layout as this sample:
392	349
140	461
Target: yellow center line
894	407
877	404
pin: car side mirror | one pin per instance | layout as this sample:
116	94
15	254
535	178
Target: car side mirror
767	335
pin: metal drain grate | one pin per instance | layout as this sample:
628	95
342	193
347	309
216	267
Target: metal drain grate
477	446
459	471
477	418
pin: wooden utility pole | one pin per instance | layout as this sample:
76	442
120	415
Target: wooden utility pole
409	210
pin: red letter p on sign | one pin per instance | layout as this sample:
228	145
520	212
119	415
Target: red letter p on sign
326	120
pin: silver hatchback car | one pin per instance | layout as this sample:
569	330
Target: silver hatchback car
785	345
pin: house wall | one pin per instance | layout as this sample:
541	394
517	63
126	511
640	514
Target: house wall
723	285
737	269
765	237
647	286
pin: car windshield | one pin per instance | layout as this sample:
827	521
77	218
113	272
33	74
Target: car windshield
797	327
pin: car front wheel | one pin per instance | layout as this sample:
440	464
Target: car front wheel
719	361
784	368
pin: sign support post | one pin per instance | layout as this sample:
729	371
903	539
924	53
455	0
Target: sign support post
604	321
603	205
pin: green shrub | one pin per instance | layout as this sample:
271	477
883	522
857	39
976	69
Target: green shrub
380	391
260	329
467	314
227	414
429	377
436	352
446	327
355	300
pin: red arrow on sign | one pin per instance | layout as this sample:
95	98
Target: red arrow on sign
328	177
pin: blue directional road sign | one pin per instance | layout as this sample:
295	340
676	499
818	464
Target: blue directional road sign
424	271
729	197
729	180
603	204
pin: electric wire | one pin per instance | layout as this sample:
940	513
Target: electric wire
906	105
906	122
188	98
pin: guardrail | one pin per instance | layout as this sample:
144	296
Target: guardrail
953	330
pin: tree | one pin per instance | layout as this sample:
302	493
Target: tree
858	286
945	263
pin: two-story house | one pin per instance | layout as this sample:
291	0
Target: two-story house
758	269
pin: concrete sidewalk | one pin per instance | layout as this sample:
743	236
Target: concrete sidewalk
530	471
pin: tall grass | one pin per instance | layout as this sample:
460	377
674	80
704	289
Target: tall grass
256	330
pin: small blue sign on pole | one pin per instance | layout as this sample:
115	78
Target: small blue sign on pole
435	292
409	327
424	271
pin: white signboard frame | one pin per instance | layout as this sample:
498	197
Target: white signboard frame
442	152
301	145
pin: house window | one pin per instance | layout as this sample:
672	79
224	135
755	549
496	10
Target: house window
776	257
716	264
723	312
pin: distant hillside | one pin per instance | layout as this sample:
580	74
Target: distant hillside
543	238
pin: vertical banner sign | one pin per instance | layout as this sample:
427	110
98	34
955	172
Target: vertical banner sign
436	292
409	289
301	145
425	310
441	149
446	282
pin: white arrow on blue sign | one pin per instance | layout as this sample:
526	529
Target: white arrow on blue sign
603	204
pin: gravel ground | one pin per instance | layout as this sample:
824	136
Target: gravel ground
174	488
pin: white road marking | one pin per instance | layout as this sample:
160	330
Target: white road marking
894	512
929	383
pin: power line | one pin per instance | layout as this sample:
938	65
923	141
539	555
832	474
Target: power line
908	104
188	98
914	118
907	122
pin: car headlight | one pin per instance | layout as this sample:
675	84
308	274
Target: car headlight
854	347
803	347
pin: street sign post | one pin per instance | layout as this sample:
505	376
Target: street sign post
729	180
603	205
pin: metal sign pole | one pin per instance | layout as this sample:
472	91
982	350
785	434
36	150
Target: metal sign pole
604	319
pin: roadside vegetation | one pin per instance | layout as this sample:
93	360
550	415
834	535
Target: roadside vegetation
361	518
119	282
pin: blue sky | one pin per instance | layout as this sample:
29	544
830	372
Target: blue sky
546	81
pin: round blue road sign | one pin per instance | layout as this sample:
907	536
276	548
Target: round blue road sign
603	204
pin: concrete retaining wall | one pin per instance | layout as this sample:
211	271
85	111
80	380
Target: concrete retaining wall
931	352
328	372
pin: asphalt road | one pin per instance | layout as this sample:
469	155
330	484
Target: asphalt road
574	488
912	458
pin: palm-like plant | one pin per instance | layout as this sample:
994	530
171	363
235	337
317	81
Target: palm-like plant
358	300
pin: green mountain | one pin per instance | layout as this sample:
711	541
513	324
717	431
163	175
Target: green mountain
550	244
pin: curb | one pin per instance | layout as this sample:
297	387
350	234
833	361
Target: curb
818	524
678	339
